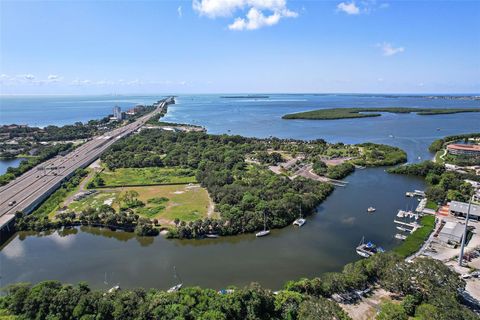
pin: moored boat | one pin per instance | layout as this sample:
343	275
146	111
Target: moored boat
400	236
179	285
175	288
264	232
299	222
368	249
212	235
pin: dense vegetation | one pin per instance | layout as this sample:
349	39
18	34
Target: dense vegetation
52	300
44	154
437	289
243	193
143	177
348	113
442	185
437	292
340	171
379	155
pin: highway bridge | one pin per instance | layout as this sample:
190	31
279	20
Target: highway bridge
30	189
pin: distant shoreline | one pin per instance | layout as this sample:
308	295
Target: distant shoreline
353	113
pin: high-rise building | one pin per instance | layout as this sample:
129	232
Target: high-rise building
117	113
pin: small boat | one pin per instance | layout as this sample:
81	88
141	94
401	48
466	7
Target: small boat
264	232
371	209
179	285
402	229
226	291
212	235
400	236
409	194
114	289
299	222
367	249
175	288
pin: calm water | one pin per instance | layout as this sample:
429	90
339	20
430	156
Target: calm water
5	163
325	243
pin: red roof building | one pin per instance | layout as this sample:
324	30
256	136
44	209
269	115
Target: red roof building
464	149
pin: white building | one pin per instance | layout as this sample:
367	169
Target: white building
460	209
117	113
451	233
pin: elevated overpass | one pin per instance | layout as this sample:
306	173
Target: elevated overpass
30	189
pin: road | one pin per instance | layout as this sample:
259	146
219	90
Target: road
28	190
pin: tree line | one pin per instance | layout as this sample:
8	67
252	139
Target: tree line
442	185
243	193
434	295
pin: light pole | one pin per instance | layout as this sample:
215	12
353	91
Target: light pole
464	239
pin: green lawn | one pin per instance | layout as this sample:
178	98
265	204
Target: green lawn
147	176
165	203
431	205
415	241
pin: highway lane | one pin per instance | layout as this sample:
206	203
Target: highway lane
29	188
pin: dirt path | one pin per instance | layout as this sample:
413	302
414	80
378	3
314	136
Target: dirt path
367	307
81	188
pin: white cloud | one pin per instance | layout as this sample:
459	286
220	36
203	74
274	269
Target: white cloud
260	13
389	50
348	8
179	11
29	77
53	77
361	7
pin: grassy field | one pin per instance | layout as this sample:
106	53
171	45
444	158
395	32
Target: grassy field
351	113
185	202
147	176
95	201
415	241
431	205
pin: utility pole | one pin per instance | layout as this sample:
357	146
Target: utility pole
464	239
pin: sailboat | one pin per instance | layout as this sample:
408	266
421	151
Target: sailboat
112	289
178	286
300	221
368	249
264	232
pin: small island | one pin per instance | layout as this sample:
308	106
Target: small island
352	113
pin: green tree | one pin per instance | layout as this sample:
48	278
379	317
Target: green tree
391	311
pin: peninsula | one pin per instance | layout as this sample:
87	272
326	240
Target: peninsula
350	113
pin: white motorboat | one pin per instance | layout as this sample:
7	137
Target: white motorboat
299	222
371	209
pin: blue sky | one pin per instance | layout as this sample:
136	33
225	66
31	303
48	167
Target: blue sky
214	46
